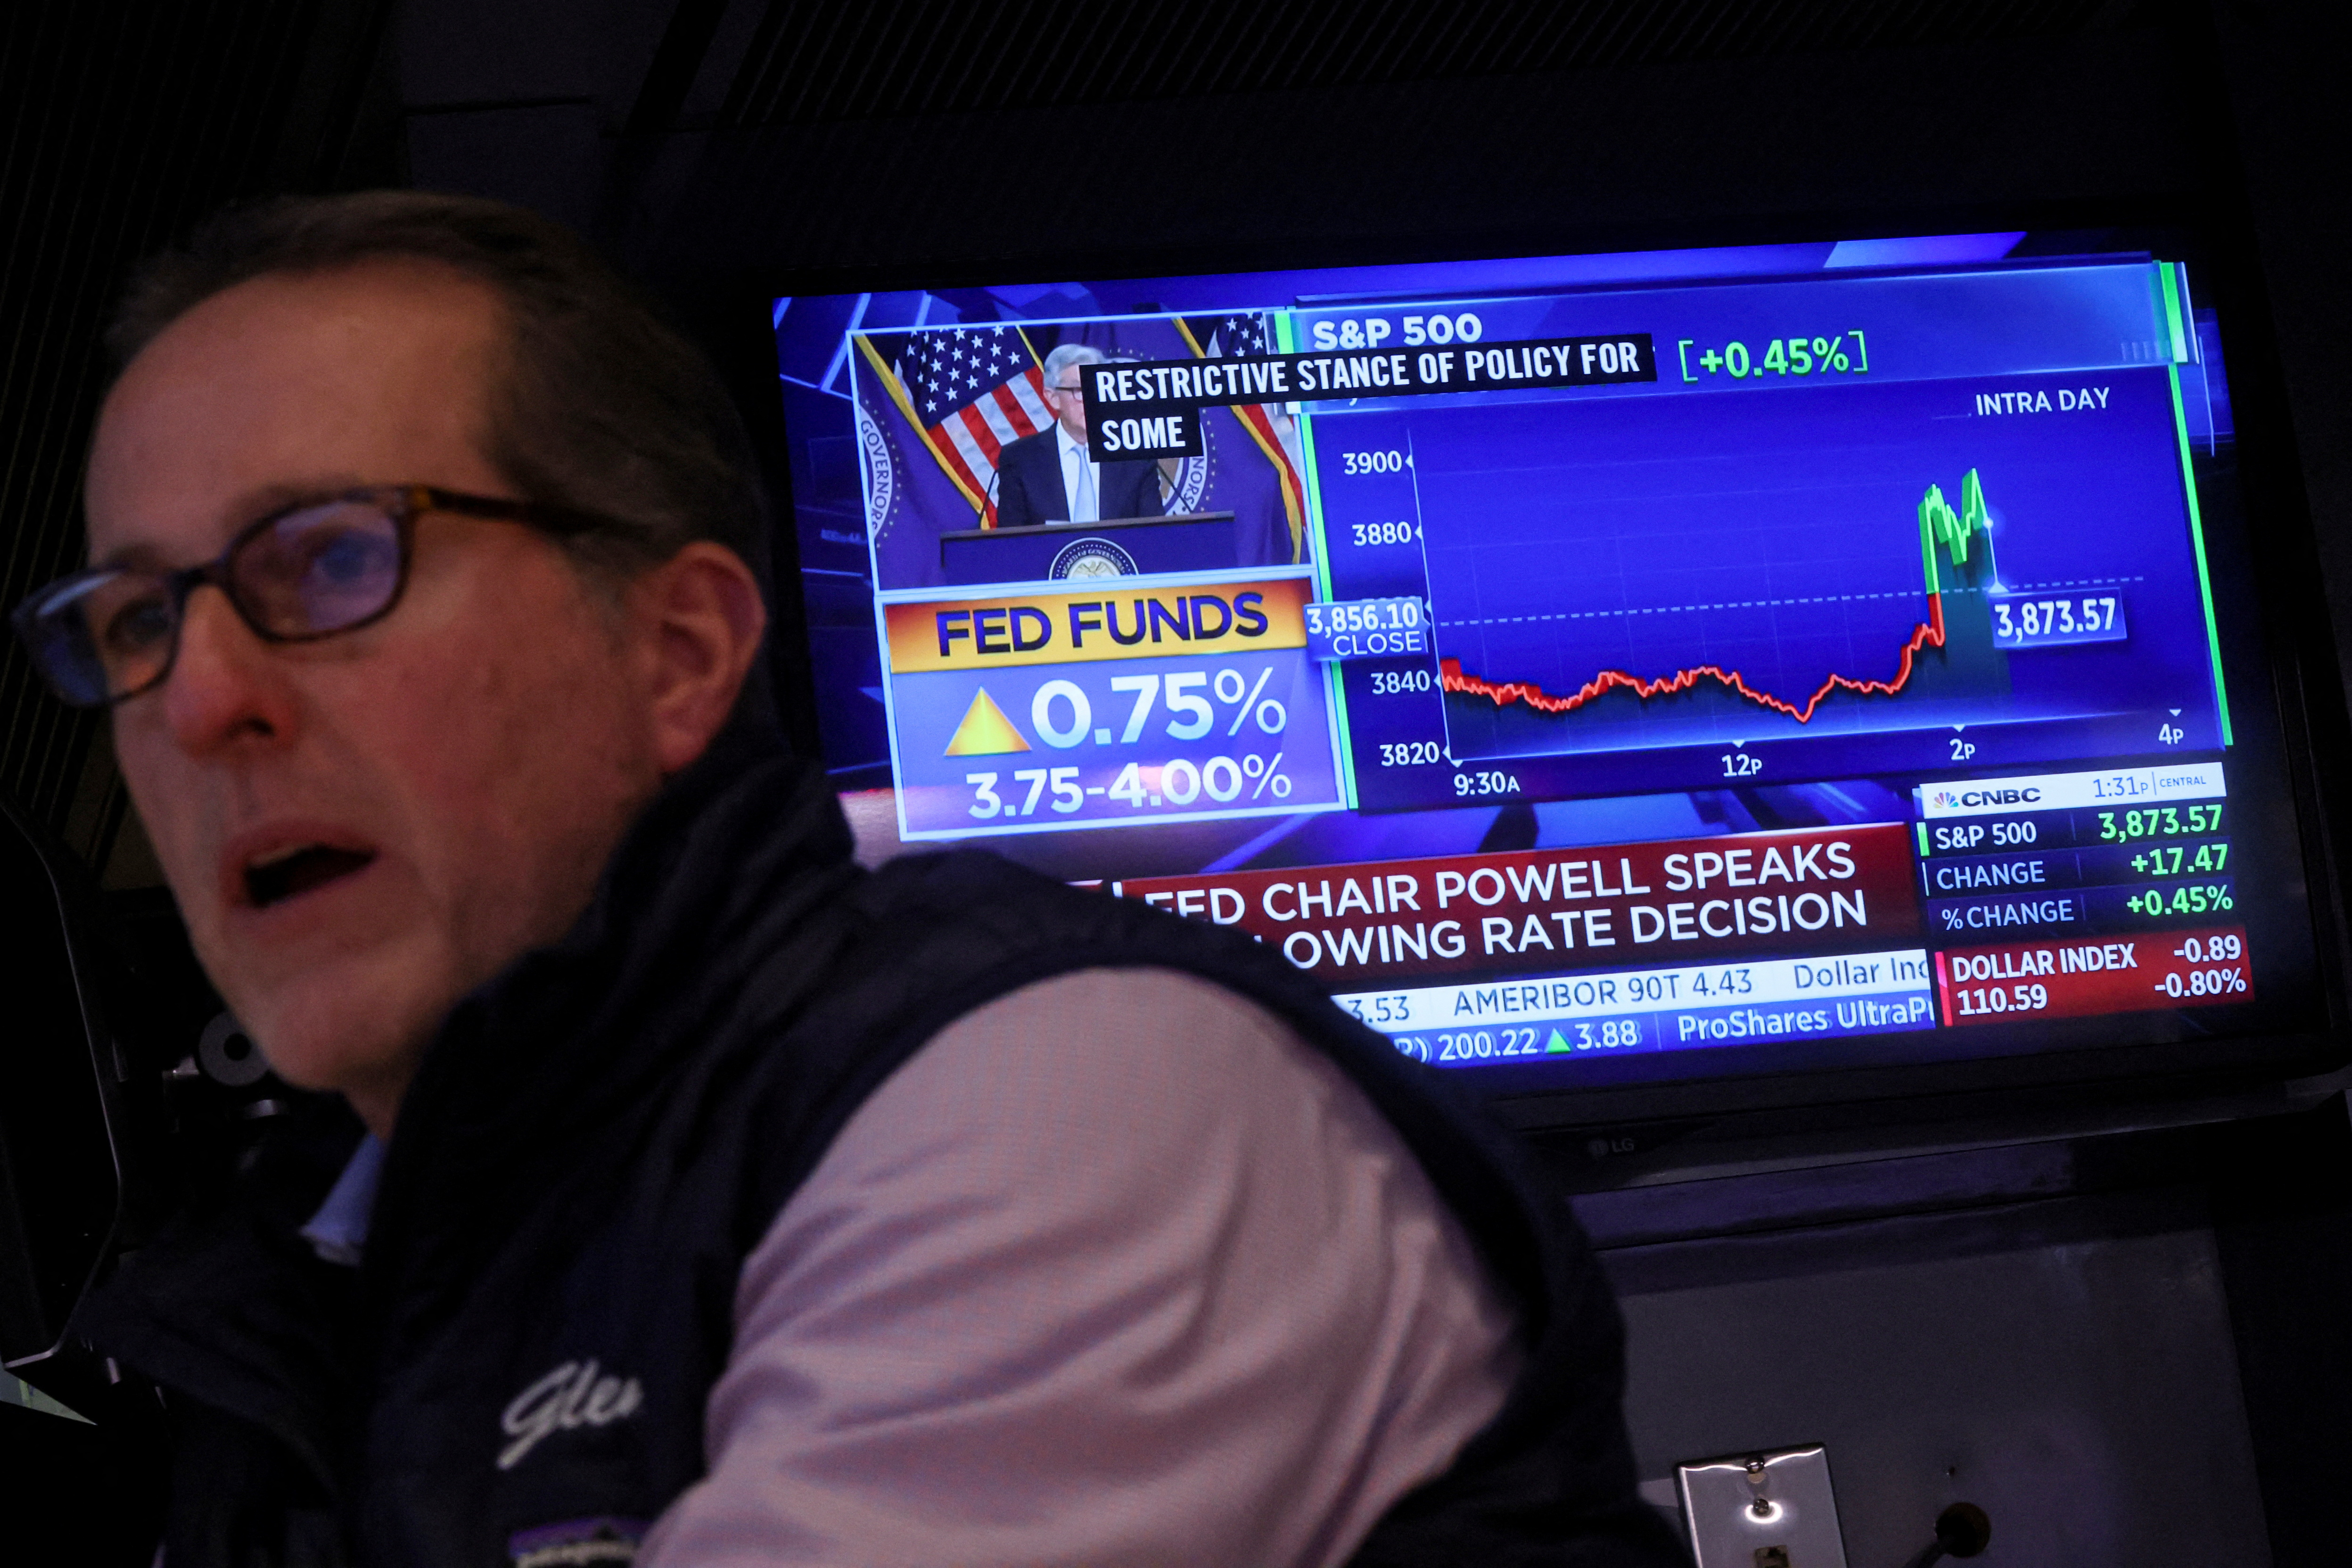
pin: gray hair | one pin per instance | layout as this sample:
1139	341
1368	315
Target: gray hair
599	405
1068	354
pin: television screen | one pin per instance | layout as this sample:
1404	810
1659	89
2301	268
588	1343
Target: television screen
1594	669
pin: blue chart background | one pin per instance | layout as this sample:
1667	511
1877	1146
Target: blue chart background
1775	533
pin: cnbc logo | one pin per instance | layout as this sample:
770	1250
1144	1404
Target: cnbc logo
1954	800
1999	796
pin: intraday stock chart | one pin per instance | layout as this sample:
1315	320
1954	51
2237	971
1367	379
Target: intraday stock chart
1778	576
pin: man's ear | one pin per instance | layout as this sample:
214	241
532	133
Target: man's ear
701	618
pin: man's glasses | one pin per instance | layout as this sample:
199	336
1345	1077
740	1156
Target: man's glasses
308	571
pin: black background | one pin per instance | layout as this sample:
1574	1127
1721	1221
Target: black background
2125	1339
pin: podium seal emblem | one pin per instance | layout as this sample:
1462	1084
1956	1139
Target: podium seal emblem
1087	558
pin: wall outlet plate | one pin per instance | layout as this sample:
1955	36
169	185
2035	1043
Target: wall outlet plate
1767	1510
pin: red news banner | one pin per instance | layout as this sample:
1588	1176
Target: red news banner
2080	977
1680	901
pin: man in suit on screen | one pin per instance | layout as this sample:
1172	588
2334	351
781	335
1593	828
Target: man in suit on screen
1048	477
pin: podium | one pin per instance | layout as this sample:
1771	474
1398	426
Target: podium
1115	547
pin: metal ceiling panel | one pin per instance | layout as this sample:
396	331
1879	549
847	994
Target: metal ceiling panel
820	61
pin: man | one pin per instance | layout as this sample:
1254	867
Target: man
677	1193
1048	477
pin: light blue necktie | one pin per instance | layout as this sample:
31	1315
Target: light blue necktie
1086	508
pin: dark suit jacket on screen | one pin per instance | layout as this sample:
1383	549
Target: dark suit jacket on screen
1029	485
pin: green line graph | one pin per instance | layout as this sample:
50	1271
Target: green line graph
1954	531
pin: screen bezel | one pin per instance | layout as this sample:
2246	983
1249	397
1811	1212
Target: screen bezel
2299	648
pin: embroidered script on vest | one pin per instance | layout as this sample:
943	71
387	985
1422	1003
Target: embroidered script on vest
577	1543
572	1395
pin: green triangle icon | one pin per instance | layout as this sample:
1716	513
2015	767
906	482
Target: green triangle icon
985	731
1555	1043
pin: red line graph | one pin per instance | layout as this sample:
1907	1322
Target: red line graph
1928	633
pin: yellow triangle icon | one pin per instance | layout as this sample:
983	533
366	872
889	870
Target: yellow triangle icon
985	731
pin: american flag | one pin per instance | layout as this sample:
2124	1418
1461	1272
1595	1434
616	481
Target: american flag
975	389
1246	333
1236	334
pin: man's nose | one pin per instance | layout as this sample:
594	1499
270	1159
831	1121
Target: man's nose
225	687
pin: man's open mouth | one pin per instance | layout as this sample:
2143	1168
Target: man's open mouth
276	877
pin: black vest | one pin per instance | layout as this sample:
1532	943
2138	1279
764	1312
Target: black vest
601	1134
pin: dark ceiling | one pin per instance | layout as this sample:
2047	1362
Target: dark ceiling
815	63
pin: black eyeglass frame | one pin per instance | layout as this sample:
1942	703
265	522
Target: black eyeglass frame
403	503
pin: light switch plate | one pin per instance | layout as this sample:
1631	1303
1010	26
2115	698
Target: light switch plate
1771	1510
